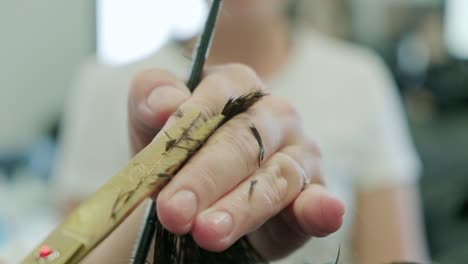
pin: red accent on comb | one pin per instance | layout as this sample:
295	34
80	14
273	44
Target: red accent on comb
45	251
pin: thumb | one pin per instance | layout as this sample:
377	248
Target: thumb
154	96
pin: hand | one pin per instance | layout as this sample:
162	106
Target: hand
214	196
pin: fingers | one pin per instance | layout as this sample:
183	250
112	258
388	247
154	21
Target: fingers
155	94
314	213
257	199
220	84
317	212
221	194
230	156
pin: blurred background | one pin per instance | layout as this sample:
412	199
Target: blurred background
44	43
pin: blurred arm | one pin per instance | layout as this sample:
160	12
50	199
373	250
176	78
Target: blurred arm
389	226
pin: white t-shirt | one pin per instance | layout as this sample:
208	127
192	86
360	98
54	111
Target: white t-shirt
345	95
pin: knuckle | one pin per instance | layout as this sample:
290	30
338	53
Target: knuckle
274	192
291	169
206	180
311	158
239	208
216	80
232	80
241	69
277	185
286	176
207	111
245	73
287	109
312	147
220	88
242	146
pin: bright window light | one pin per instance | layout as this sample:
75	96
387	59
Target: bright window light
131	30
457	28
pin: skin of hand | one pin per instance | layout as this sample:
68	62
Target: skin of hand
209	196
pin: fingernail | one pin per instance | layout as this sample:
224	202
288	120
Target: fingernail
186	203
158	96
221	222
